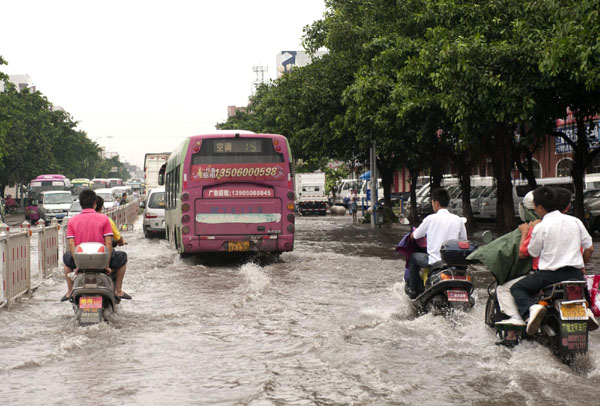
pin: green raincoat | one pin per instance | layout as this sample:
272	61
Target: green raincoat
501	256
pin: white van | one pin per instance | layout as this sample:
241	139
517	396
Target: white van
55	204
344	189
154	213
364	197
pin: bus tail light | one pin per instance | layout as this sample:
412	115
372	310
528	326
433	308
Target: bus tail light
291	217
185	230
185	218
196	147
185	207
290	228
290	206
290	195
185	196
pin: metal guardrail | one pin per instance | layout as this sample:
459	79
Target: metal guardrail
30	253
20	248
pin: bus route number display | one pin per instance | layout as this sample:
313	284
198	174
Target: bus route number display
267	171
237	146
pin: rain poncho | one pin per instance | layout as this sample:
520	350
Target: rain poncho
407	246
501	256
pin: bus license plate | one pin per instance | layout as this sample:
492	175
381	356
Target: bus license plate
573	311
90	302
456	295
238	246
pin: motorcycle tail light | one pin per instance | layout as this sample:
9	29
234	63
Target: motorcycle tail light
445	276
574	292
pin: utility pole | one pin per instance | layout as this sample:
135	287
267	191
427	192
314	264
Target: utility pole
260	72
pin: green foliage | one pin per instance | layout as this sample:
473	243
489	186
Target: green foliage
37	139
434	83
333	177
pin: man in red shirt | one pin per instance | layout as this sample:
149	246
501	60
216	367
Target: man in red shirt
90	226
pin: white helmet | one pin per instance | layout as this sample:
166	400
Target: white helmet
526	207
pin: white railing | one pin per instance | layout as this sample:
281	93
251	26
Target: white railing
39	245
20	248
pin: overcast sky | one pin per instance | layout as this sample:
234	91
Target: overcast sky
140	76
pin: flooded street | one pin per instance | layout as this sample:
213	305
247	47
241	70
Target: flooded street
328	324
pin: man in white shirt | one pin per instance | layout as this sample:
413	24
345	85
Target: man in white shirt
557	240
438	228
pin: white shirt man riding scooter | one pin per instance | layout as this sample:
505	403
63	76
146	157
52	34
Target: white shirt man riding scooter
438	228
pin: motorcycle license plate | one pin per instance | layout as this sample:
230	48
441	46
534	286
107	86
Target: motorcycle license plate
238	246
573	311
90	302
456	295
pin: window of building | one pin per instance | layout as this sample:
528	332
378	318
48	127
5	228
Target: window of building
564	167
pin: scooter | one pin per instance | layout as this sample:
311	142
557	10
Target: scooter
447	285
93	297
564	328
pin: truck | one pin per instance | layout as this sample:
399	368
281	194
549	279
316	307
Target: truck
152	164
310	193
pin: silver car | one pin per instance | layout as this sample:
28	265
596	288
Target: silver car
154	213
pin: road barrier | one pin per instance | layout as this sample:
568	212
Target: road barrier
20	248
39	245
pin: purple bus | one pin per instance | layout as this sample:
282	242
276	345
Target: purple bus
44	183
230	191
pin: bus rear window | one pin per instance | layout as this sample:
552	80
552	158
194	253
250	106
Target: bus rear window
236	151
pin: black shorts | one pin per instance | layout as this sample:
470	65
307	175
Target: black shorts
117	260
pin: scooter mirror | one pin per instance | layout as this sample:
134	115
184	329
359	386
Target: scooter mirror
487	237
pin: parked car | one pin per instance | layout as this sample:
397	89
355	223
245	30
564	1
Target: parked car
154	213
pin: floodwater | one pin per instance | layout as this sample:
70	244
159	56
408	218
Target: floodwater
328	324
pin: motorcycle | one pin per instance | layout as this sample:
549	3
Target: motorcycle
447	284
564	328
93	297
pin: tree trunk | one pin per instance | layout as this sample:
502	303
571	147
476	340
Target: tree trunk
413	218
386	168
501	153
464	174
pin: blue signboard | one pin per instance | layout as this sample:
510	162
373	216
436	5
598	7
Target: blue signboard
570	130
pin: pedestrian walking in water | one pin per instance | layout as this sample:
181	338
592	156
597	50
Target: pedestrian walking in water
354	205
